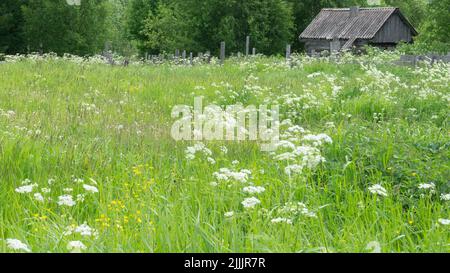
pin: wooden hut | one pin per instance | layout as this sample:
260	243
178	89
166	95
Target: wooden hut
345	28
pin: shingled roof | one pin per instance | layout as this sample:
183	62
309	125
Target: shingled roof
337	23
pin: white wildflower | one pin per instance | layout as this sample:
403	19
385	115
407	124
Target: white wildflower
445	197
281	220
427	186
225	174
253	189
296	129
16	244
444	222
38	197
90	188
191	151
251	202
285	144
229	214
80	197
318	140
66	200
374	247
85	230
45	190
296	208
293	169
224	149
211	160
26	188
78	180
378	189
26	181
330	125
76	246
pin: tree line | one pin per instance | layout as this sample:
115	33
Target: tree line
157	26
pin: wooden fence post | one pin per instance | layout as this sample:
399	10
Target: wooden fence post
254	52
208	56
222	52
247	45
177	54
191	58
288	53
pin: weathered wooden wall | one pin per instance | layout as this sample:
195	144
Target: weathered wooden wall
393	31
318	45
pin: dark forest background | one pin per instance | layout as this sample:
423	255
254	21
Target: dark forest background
157	26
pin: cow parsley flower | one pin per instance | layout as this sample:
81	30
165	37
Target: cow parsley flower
293	169
281	220
85	230
296	129
76	246
211	160
251	202
285	144
225	174
318	140
444	222
253	189
224	149
427	186
191	151
80	197
38	197
90	188
296	208
445	197
285	156
378	189
16	244
66	200
374	247
78	180
26	188
229	214
45	190
26	181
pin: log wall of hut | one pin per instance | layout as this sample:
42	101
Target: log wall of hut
393	31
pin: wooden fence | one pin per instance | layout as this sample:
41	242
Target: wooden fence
415	59
182	58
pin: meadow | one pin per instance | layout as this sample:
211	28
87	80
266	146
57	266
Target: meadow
87	162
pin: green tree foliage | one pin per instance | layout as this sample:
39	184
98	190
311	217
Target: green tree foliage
116	25
435	30
155	26
138	12
11	23
53	25
268	22
414	10
165	30
271	25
